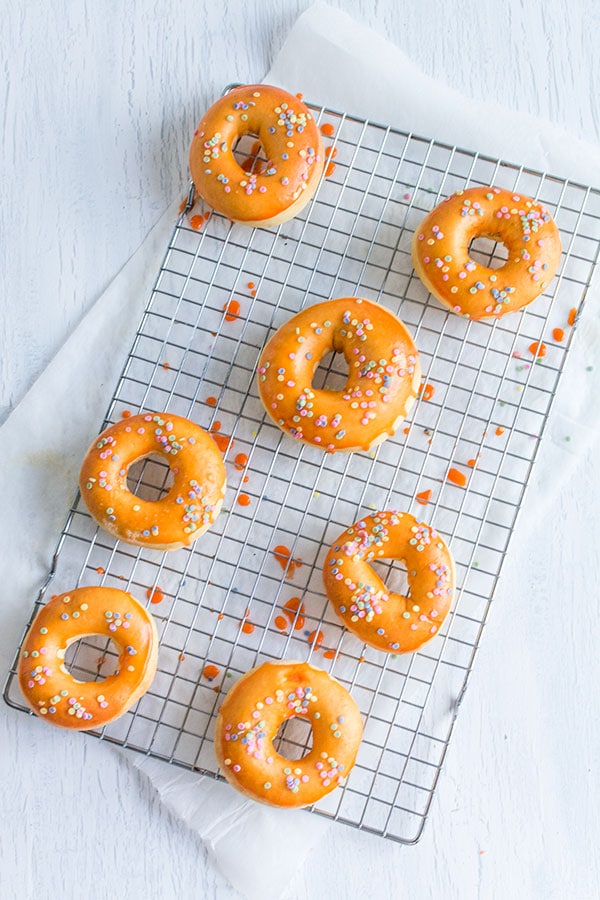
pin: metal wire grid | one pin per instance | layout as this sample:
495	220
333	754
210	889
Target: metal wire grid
486	401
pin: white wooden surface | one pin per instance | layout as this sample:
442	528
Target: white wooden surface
100	101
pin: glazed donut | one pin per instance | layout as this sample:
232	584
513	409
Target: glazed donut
193	501
52	692
291	142
253	711
379	617
383	375
440	251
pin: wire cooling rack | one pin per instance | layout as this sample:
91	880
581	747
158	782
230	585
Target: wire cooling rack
221	291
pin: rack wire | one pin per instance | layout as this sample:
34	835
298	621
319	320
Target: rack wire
486	401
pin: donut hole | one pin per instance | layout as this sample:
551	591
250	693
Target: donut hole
488	252
150	478
331	374
92	657
249	154
394	575
294	738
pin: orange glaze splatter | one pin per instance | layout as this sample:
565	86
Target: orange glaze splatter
245	479
221	440
283	556
406	430
197	222
330	152
294	610
315	638
100	570
241	461
327	129
457	477
182	205
281	622
247	627
211	401
181	657
572	316
329	654
125	414
251	285
424	497
499	430
330	170
538	349
244	500
427	391
232	310
558	335
166	365
210	672
472	462
155	594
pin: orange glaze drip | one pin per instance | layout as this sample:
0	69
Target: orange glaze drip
221	440
100	570
499	430
211	401
331	152
558	335
456	477
244	500
155	594
327	129
281	622
294	609
329	170
197	222
572	316
329	654
283	556
472	462
125	414
538	349
210	672
247	627
424	497
241	461
427	391
315	638
232	310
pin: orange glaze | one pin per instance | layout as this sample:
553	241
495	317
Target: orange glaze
232	310
386	620
499	430
440	251
383	375
456	477
424	497
283	555
211	401
155	594
558	335
49	688
426	391
538	349
281	622
197	222
210	672
327	129
315	638
221	440
291	142
572	316
294	610
252	714
190	506
241	461
329	170
244	500
247	627
331	152
125	414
